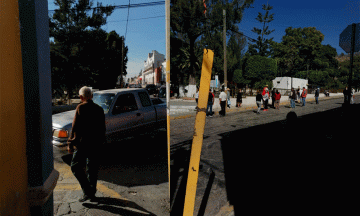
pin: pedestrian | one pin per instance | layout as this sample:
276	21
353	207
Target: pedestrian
197	97
239	99
266	100
277	99
352	95
303	96
273	98
210	104
292	98
222	100
87	133
317	93
228	98
259	98
298	95
347	95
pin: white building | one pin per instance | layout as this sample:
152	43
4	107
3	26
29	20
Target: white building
152	73
284	84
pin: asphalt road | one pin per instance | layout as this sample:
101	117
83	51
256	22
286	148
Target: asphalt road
284	162
133	179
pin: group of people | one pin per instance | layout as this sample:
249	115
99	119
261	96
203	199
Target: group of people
264	98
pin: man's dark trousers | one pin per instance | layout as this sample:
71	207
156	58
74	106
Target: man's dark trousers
223	107
81	159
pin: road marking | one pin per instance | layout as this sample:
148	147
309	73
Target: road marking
67	175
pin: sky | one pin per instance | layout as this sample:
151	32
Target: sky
331	17
145	30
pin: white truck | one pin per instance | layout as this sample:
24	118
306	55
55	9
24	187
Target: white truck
127	111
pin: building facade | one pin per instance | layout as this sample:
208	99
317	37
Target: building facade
153	72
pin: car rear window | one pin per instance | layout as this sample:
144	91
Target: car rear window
144	98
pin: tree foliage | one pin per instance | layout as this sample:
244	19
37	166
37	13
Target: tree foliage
189	22
260	71
262	46
81	52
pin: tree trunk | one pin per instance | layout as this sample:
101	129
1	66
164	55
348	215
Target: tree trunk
192	75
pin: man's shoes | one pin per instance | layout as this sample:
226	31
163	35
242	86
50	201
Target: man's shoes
86	197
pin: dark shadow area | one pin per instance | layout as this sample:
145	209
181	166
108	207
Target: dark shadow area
180	158
116	206
134	161
302	165
207	193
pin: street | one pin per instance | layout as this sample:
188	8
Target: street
280	161
133	179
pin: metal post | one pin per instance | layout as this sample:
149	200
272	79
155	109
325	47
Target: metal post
224	43
198	133
351	59
167	27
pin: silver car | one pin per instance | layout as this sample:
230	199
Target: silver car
127	111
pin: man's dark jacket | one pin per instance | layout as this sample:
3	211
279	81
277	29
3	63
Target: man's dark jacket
88	127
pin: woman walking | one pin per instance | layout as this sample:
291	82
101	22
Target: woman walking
277	99
266	100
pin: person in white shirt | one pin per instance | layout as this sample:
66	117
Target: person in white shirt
222	100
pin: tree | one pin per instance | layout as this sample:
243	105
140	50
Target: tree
73	51
299	47
188	19
260	71
262	46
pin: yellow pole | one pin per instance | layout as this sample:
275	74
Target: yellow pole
198	133
13	163
167	11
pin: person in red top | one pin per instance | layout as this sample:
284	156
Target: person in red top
303	96
277	99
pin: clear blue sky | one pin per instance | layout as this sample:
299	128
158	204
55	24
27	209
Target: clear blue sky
331	17
145	30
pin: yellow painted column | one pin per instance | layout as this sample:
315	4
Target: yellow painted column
198	133
13	163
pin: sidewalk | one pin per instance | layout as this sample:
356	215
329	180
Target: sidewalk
249	103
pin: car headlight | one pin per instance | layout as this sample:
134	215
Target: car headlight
61	133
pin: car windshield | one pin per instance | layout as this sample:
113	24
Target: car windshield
104	100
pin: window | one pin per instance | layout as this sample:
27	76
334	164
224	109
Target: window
103	100
144	98
125	103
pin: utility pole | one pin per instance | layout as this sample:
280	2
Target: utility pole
122	62
224	42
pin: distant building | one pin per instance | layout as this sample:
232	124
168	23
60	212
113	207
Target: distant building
153	73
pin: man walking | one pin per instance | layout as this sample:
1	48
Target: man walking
317	93
222	100
303	96
292	98
210	104
88	132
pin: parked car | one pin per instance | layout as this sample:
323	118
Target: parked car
127	111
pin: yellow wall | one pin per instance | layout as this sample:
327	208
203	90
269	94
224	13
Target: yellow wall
13	168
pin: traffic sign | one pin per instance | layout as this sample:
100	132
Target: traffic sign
345	38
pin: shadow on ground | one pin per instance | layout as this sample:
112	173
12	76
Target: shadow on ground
302	164
136	161
116	206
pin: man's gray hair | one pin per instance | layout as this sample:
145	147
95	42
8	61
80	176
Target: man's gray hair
85	92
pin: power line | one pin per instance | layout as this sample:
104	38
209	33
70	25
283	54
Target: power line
137	19
148	4
127	21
